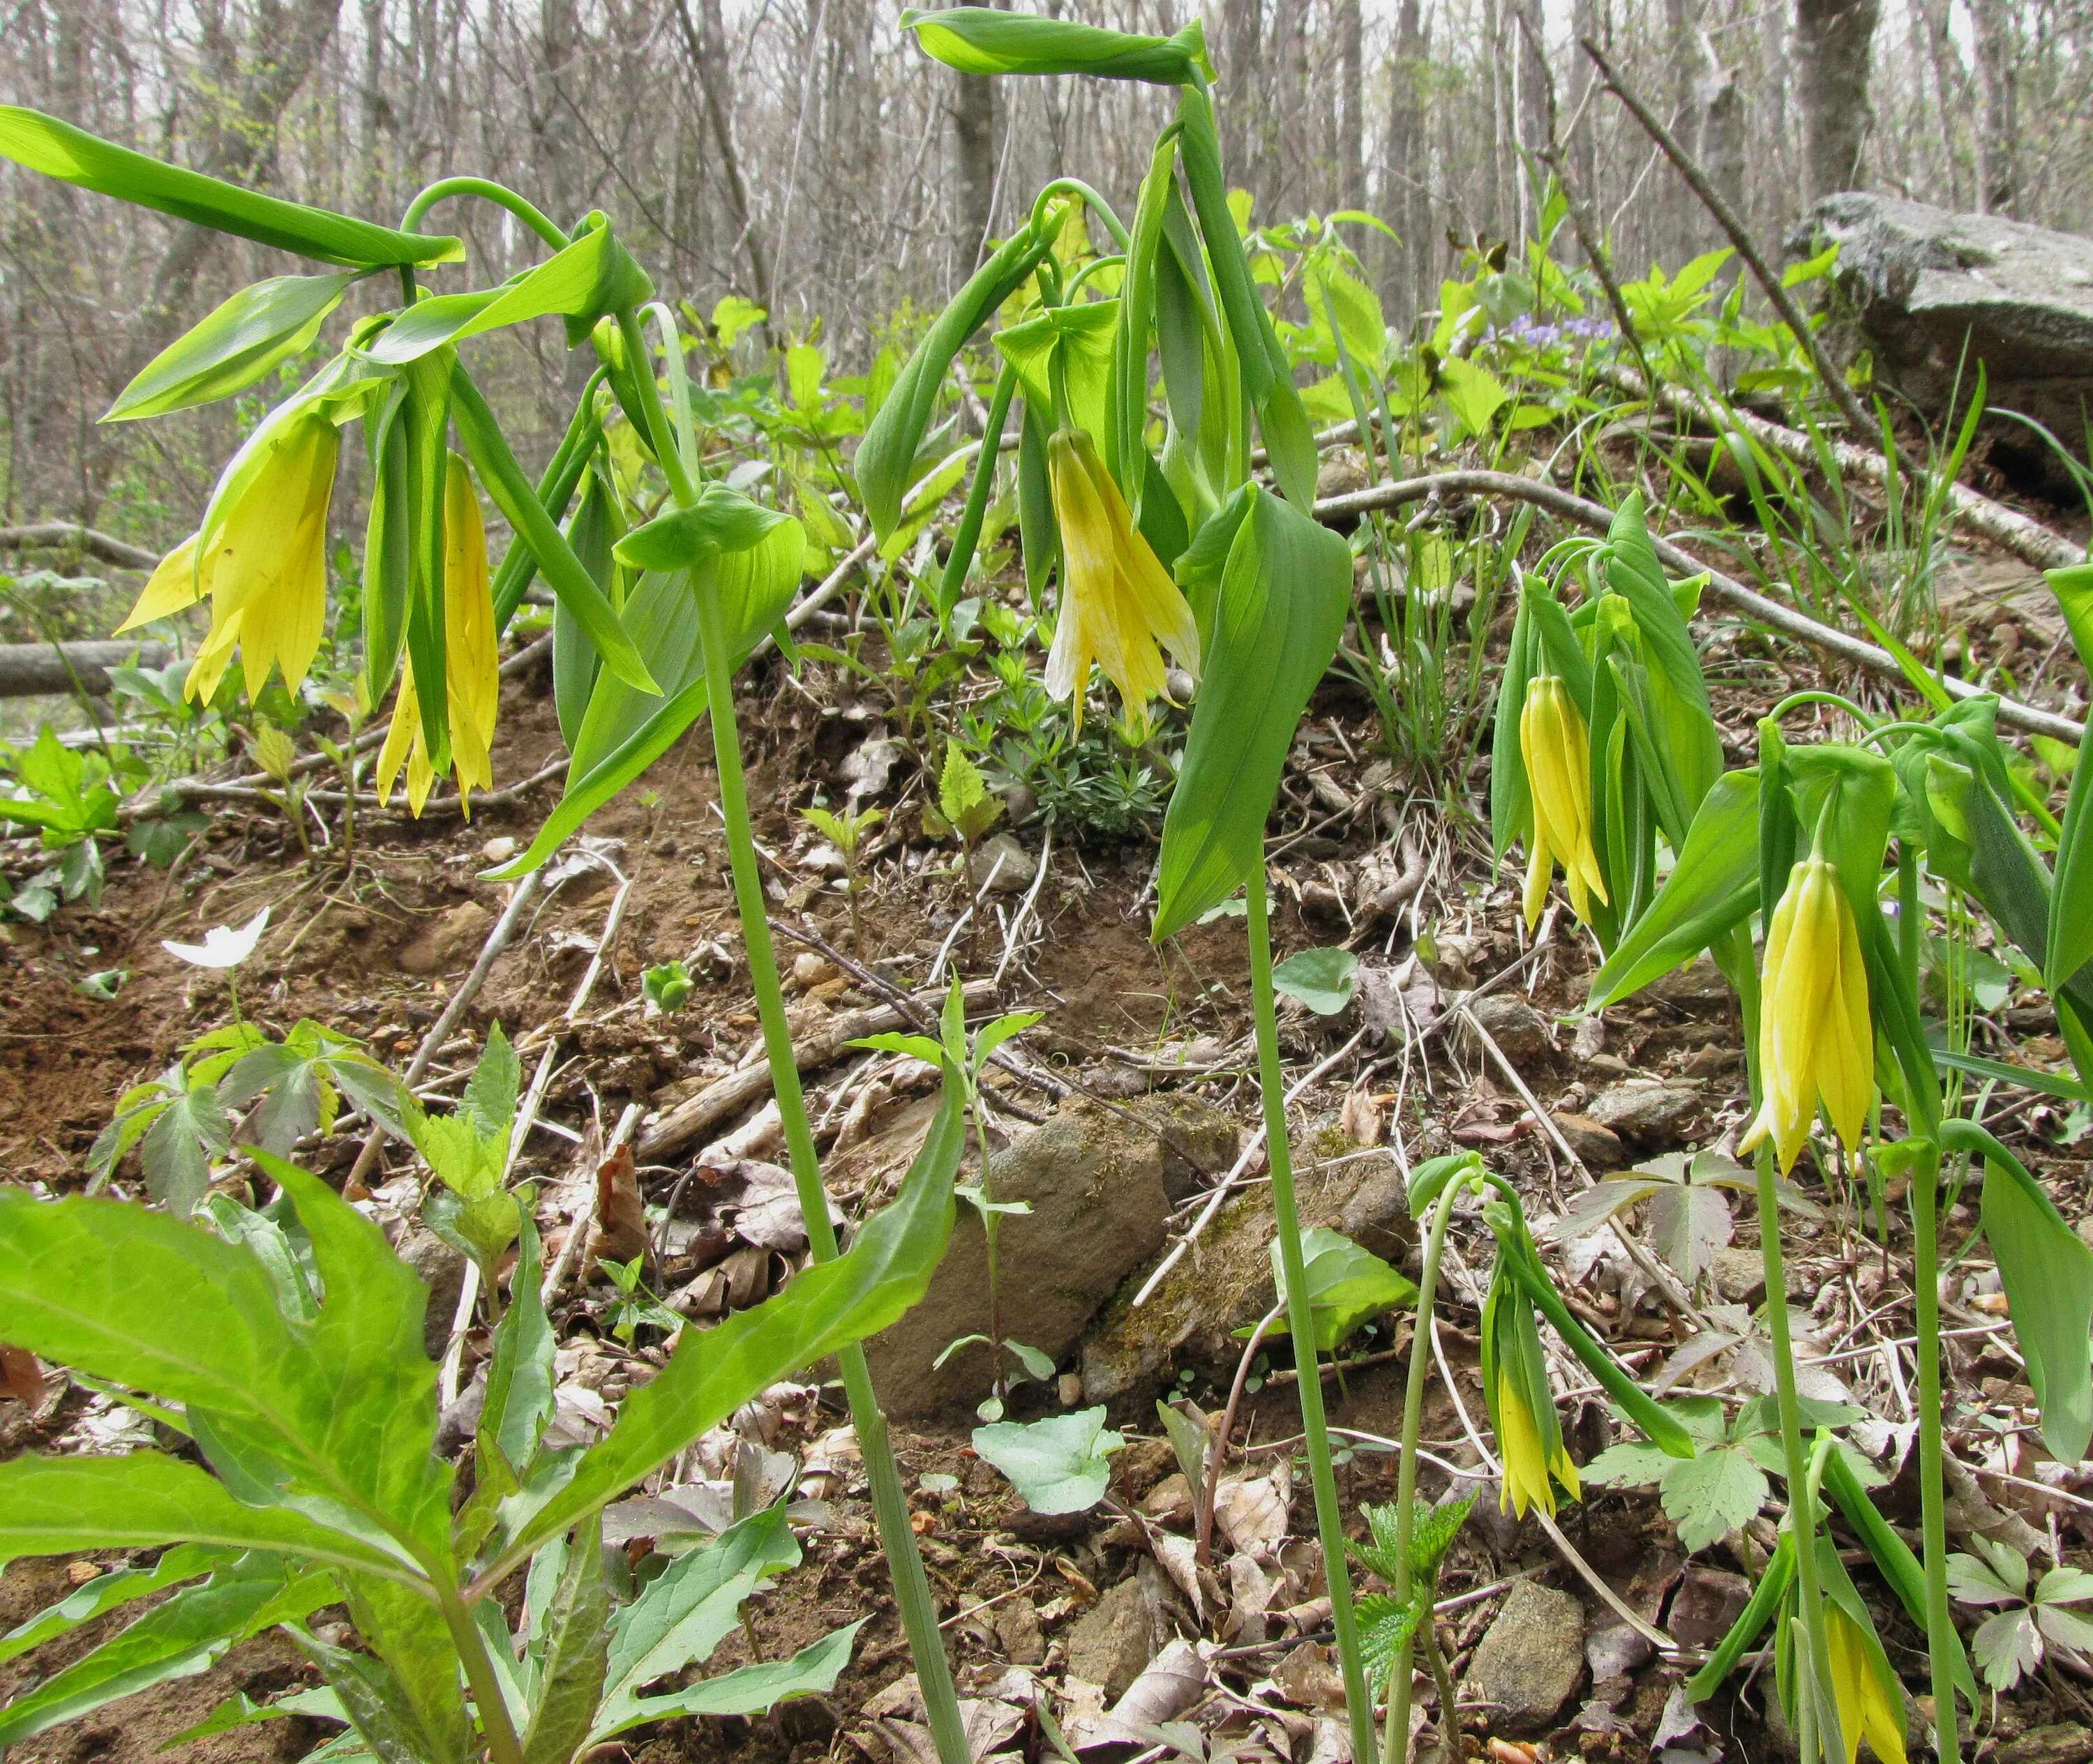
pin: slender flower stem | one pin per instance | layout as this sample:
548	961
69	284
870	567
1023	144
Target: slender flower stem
1301	1323
1397	1736
1801	1513
912	1585
500	194
1941	1642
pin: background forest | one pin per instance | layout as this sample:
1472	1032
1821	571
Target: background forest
809	160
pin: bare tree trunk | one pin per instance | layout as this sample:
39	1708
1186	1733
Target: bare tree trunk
1351	166
1994	39
1406	168
1533	77
705	40
1242	102
1582	146
1834	40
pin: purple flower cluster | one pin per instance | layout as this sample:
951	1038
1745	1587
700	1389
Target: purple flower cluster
1534	334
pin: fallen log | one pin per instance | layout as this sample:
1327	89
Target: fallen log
35	670
68	536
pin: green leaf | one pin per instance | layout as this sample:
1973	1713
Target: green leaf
886	457
58	150
985	40
1060	1464
372	1697
1322	979
189	1132
2047	1270
1710	1496
827	1306
1346	1286
687	1610
574	1634
722	520
241	1710
1283	597
86	1283
1711	890
1630	1463
749	1690
490	1093
106	1591
2008	1647
519	1370
564	572
595	527
2071	904
183	1636
239	342
582	281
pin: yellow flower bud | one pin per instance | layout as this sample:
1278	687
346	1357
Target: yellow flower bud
1557	753
1515	1376
472	673
1866	1709
1117	600
1816	1038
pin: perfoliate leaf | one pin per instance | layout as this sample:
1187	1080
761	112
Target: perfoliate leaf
984	40
1346	1286
44	144
1283	597
239	342
2047	1270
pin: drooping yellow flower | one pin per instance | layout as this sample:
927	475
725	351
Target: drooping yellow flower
1117	600
472	673
1515	1379
1531	1466
261	555
1557	752
1816	1039
1867	1709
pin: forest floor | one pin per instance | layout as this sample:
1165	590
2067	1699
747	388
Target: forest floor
1463	1032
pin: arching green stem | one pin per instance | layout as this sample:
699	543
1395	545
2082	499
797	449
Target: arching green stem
487	190
1098	206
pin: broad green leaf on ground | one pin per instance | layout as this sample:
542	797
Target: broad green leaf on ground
1285	595
1060	1464
58	150
751	1690
827	1306
1322	979
1346	1286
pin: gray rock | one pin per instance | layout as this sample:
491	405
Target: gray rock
1377	1216
1094	1183
1740	1275
1600	1147
441	1269
1649	1117
1917	286
1520	1029
1114	1640
1529	1663
1002	866
1699	983
1199	1141
1708	1601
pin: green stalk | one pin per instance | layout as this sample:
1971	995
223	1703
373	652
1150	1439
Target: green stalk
1801	1512
1396	1741
503	1747
1301	1323
1942	1645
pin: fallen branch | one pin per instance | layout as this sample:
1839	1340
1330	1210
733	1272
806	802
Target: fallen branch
69	536
725	1097
1597	518
40	670
2007	528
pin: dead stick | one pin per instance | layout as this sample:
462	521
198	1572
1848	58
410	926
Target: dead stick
1597	518
1726	216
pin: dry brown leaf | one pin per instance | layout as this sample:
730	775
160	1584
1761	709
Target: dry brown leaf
619	1229
1360	1119
1252	1511
21	1377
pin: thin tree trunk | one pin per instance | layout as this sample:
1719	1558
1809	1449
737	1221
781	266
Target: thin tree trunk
1351	171
1995	41
704	38
1833	41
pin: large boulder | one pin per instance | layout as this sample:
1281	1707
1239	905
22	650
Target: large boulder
1097	1182
1917	286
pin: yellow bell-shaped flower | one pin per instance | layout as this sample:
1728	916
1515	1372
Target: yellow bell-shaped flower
1117	600
261	555
1515	1379
1816	1039
1558	753
1866	1709
472	671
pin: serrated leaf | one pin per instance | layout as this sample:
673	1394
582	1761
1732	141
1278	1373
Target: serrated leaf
107	1592
749	1690
1687	1226
2007	1647
575	1637
1709	1496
